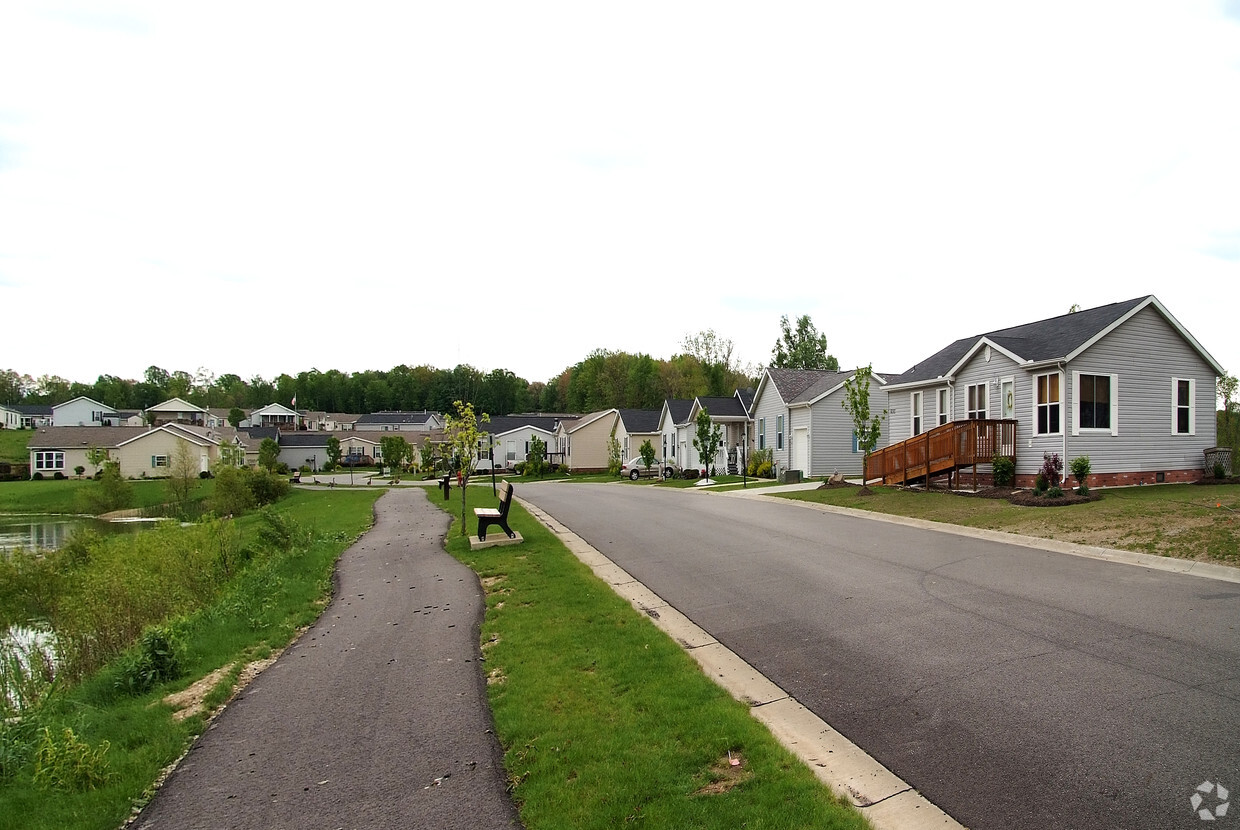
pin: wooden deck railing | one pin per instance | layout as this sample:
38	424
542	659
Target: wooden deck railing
945	448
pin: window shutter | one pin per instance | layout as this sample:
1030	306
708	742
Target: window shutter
1075	411
1115	404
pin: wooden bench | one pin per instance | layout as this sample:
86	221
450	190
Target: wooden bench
295	478
488	516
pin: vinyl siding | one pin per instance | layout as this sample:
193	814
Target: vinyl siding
1146	352
831	433
770	406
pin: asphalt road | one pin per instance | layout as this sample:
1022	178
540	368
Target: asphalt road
1014	687
376	718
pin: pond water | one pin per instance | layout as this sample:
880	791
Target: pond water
52	532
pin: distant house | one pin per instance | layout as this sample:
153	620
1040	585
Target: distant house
399	422
584	441
1125	384
275	415
636	427
511	436
799	416
176	411
140	452
25	416
674	437
84	412
731	413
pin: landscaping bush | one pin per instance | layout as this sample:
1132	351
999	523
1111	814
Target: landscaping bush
1004	471
1052	469
1054	493
1080	471
58	475
760	463
1039	484
37	477
519	468
1220	471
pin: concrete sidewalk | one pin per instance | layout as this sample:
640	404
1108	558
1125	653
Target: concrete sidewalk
377	717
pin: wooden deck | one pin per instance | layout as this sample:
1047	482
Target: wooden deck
946	449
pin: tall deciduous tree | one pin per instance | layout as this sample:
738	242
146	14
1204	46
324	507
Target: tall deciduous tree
333	451
867	428
804	348
395	451
268	453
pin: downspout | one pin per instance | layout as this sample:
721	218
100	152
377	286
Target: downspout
1063	419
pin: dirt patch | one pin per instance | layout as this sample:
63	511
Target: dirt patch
1212	480
725	774
189	701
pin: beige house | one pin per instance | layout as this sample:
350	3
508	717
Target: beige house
584	441
141	452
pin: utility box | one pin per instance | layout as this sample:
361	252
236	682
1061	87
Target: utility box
790	477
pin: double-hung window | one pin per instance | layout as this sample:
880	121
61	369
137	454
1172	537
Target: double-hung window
944	414
159	461
1049	404
977	402
1094	402
779	432
1183	420
762	433
915	406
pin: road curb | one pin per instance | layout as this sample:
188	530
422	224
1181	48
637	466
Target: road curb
887	801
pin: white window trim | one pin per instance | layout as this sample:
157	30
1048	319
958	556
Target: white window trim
1192	406
916	412
762	433
985	387
155	465
1075	410
42	462
943	403
1062	406
779	432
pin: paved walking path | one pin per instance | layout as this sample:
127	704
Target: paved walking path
376	718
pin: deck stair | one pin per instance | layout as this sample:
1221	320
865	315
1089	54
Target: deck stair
945	450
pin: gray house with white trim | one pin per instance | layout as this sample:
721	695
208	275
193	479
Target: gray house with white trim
1124	384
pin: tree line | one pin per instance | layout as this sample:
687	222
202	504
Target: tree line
601	380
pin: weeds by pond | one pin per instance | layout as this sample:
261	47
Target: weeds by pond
166	609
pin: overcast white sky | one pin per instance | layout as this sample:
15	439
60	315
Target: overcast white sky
261	188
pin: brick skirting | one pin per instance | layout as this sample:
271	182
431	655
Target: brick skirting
1124	479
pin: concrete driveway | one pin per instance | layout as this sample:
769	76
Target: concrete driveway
1015	687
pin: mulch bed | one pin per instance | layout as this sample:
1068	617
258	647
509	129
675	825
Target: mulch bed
1027	498
1213	480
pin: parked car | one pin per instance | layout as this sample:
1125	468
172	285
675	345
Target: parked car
635	468
356	461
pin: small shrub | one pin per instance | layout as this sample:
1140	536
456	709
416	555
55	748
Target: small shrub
519	468
58	475
78	470
690	473
37	477
1219	470
205	474
1083	489
277	531
267	487
69	763
1039	484
1080	469
1054	493
1004	469
1052	469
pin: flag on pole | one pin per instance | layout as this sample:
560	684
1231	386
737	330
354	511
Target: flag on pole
294	402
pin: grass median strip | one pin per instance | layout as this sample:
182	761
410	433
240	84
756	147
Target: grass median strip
605	721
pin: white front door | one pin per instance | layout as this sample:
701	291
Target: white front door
800	449
1008	399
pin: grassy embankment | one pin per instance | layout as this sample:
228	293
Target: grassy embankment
604	720
1184	521
234	591
13	444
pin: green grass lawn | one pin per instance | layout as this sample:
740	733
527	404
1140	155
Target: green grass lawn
13	444
51	496
1185	521
604	720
